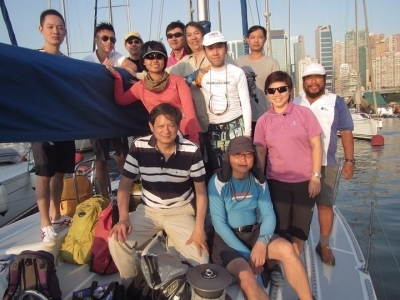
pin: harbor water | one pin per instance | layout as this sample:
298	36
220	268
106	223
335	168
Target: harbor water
377	180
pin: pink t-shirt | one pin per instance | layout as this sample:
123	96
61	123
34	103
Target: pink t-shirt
286	136
177	93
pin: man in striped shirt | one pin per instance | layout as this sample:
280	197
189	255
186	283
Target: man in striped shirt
169	166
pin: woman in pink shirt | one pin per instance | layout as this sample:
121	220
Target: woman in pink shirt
159	87
288	141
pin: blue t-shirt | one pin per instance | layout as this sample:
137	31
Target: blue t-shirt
236	203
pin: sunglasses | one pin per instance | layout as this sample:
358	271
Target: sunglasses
105	38
280	90
153	56
174	35
130	42
246	155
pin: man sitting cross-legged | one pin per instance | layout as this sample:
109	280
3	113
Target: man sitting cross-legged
169	166
236	192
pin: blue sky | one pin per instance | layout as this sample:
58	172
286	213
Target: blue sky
306	15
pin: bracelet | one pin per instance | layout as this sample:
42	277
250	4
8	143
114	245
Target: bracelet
353	161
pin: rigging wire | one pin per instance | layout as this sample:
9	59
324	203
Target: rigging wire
251	12
258	12
151	18
160	20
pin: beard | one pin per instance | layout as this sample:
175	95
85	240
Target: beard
316	94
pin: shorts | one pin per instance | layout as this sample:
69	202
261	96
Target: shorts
219	136
293	208
54	157
101	147
222	254
328	180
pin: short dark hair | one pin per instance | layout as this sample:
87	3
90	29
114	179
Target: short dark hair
173	25
156	46
169	111
50	12
199	27
103	26
278	76
254	28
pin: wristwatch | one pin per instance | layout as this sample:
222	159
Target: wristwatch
353	161
318	175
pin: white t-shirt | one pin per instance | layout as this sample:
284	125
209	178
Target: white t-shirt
227	88
114	56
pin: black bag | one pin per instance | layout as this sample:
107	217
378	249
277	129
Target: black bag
33	272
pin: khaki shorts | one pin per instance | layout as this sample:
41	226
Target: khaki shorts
328	180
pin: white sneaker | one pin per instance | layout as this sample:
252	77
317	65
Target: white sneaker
62	221
48	234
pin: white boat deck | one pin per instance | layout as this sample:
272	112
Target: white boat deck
344	281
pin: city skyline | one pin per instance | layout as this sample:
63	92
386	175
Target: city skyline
306	16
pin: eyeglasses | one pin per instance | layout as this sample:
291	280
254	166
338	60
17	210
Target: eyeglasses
153	56
174	35
280	90
246	155
105	38
130	42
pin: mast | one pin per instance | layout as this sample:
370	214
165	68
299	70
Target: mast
371	71
203	15
357	96
95	23
110	16
191	10
289	63
267	15
245	26
219	16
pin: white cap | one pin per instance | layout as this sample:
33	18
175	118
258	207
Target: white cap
213	37
314	69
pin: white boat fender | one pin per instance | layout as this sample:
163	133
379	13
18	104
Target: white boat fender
3	200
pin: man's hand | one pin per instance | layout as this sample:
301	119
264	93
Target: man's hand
121	230
199	239
258	256
348	170
314	187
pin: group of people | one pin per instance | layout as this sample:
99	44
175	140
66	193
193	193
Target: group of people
231	125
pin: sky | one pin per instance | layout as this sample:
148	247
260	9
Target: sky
305	17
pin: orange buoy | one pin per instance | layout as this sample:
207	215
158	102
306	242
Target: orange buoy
377	140
78	157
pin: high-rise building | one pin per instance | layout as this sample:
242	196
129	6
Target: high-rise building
393	43
338	60
298	54
279	42
302	63
324	52
350	48
235	49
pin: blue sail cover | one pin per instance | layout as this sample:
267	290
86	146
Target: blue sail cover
45	97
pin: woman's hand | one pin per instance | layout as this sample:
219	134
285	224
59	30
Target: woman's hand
314	187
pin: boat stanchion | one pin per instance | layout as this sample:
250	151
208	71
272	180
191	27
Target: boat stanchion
365	267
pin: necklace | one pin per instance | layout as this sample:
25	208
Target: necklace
226	95
241	195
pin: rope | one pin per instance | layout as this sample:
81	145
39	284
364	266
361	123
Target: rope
251	12
160	20
258	12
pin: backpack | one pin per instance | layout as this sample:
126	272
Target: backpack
78	242
69	202
100	258
33	272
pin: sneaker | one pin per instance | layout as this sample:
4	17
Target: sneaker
62	221
276	275
326	255
48	234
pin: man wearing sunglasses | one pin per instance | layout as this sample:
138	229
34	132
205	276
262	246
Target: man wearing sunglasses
133	43
104	38
174	33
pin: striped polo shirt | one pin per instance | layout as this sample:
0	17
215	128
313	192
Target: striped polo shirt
165	184
333	115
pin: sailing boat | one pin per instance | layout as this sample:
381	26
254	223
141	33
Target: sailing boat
365	126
